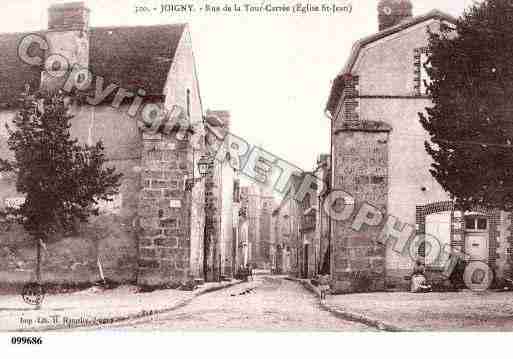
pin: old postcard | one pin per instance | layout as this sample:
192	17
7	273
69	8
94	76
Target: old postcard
317	166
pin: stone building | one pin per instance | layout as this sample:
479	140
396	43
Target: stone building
267	249
154	231
252	206
260	205
378	157
242	230
280	233
221	188
321	240
289	228
301	227
308	244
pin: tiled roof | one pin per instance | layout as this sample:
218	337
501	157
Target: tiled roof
137	57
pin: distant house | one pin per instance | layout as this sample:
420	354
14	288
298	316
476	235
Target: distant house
301	226
223	195
293	234
160	220
259	206
379	157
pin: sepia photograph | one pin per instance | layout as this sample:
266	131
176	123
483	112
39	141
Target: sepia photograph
329	167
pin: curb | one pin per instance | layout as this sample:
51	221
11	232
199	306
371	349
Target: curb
139	315
347	315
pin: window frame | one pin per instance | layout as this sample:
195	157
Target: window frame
476	218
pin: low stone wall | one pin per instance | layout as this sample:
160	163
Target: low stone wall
72	259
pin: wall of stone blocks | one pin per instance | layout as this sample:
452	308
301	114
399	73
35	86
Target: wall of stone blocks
170	218
360	169
71	259
164	211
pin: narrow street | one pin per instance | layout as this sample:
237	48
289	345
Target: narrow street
267	303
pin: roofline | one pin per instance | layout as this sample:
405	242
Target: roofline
434	14
106	27
360	44
184	26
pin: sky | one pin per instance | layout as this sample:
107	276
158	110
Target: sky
273	72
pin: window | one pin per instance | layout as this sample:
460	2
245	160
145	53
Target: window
378	179
482	223
470	223
306	201
473	223
363	180
236	191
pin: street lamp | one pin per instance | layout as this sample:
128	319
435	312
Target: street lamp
203	164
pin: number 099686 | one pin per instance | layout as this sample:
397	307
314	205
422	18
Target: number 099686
26	340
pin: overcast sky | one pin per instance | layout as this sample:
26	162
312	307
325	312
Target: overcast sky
273	72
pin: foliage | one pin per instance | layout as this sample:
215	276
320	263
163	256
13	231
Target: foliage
61	179
470	122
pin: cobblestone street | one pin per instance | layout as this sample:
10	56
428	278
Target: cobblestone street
268	303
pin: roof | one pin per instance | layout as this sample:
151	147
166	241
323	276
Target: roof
338	83
132	57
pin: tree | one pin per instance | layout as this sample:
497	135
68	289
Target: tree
470	122
62	180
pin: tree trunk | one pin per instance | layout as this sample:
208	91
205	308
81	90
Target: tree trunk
38	261
38	267
99	261
100	268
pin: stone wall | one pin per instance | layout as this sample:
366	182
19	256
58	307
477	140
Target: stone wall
71	259
171	216
360	169
164	210
111	236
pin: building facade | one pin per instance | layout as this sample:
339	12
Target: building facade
260	205
223	206
242	230
378	157
154	230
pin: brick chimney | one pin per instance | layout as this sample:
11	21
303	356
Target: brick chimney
393	12
69	16
68	40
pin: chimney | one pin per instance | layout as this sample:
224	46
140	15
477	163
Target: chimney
68	41
69	16
393	12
